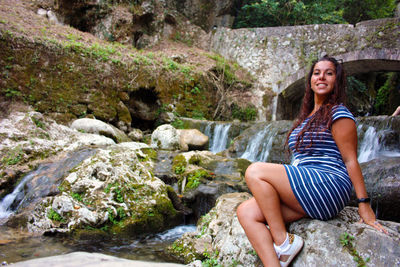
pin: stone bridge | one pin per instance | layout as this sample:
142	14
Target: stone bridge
279	57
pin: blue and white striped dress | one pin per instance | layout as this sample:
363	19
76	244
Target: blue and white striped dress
318	176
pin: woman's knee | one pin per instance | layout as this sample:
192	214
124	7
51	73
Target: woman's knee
254	171
244	210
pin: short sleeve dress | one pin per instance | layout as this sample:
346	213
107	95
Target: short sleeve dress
318	175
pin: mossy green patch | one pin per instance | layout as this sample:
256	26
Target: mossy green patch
179	164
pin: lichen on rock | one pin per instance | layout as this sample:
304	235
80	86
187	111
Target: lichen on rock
114	191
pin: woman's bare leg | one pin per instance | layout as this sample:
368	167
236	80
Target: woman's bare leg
274	203
253	222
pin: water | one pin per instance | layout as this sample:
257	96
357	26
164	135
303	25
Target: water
21	246
370	145
6	205
259	147
41	182
219	136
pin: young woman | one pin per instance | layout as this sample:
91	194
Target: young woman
319	182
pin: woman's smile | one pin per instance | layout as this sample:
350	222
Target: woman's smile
323	78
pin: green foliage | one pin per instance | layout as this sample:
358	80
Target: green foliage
248	113
382	97
211	260
347	242
170	65
178	124
266	13
179	164
37	122
358	10
55	216
194	178
77	197
117	190
11	92
13	156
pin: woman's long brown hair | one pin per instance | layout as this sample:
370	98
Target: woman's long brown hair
323	116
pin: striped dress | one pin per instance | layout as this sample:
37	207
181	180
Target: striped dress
318	176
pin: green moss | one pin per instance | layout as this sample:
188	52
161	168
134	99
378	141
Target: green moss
54	216
179	164
242	165
195	160
151	153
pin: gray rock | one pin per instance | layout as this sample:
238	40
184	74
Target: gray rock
382	180
104	189
165	137
89	259
99	127
221	231
136	135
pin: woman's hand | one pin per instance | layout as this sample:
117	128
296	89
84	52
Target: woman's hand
368	216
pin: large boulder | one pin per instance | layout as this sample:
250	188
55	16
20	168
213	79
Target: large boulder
165	137
337	242
99	127
382	180
192	139
114	190
27	138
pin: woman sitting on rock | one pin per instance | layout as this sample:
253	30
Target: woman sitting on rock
319	182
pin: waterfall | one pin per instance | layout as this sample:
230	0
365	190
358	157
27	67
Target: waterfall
10	200
40	182
219	137
369	146
260	145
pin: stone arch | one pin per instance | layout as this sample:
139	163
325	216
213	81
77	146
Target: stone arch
368	60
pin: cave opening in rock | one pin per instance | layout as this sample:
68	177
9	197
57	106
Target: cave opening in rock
144	107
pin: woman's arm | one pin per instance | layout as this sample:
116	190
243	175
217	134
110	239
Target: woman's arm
344	133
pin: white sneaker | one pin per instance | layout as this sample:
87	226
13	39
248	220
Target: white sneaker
295	245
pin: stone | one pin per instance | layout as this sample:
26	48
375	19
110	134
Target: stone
103	191
323	245
99	127
136	135
165	137
382	181
192	139
91	260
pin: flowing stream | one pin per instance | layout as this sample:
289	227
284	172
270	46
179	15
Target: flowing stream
21	246
218	136
41	182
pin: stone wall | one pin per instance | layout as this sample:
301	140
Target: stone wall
274	54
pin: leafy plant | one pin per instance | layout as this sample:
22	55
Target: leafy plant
77	197
13	157
211	260
54	216
37	122
347	242
248	113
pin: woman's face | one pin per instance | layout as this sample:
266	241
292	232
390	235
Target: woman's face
323	78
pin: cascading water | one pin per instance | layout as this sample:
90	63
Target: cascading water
9	200
260	145
219	136
43	178
369	146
